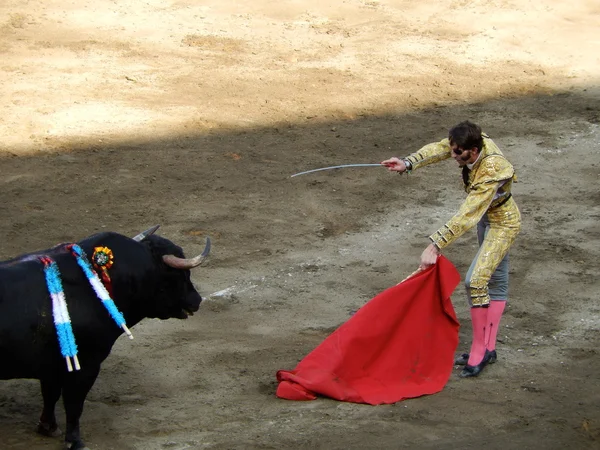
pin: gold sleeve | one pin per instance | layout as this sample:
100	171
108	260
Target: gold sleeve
484	181
431	153
469	213
483	184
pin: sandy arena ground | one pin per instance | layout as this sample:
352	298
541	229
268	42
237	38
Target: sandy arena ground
116	115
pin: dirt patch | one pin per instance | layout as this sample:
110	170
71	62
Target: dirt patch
117	116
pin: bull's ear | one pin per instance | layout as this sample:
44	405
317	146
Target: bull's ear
144	234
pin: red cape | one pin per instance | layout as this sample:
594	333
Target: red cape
399	345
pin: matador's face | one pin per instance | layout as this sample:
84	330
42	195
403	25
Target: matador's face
464	156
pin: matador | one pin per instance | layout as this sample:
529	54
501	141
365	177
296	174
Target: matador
488	177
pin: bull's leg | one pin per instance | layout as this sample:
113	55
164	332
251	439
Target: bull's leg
75	390
47	425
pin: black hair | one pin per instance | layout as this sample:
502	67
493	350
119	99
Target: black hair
466	135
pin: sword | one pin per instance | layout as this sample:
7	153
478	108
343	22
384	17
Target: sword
337	167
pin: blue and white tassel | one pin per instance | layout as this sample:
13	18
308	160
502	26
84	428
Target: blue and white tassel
99	288
62	321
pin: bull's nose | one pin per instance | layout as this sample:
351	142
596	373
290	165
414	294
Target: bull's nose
193	300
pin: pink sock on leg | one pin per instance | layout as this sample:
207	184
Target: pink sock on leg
479	320
494	314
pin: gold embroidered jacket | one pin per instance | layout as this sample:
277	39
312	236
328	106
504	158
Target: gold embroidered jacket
488	184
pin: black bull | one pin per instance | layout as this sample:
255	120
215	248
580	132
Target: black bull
150	277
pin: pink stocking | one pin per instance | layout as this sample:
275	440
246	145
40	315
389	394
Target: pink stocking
479	319
494	314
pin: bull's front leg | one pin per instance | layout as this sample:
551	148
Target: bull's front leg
51	388
75	390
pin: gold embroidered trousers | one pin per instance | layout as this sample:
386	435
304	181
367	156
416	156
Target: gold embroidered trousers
503	223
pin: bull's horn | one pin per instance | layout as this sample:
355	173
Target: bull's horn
183	263
144	234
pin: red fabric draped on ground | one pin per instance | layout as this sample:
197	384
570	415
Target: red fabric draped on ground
399	345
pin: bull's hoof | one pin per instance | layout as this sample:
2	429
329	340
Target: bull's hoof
75	446
46	429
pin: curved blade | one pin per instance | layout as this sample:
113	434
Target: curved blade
337	167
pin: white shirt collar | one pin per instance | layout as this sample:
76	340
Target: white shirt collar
470	166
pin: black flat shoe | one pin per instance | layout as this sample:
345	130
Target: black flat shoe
463	359
473	371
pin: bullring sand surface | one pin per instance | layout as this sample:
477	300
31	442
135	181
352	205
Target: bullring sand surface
119	115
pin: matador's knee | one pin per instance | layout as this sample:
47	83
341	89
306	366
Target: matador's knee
478	293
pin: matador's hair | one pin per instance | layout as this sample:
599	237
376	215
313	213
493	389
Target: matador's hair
466	135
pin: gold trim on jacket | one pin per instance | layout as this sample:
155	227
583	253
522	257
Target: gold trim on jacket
485	180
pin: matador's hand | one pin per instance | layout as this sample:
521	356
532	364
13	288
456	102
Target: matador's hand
429	256
394	165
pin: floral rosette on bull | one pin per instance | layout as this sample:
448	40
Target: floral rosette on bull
102	260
